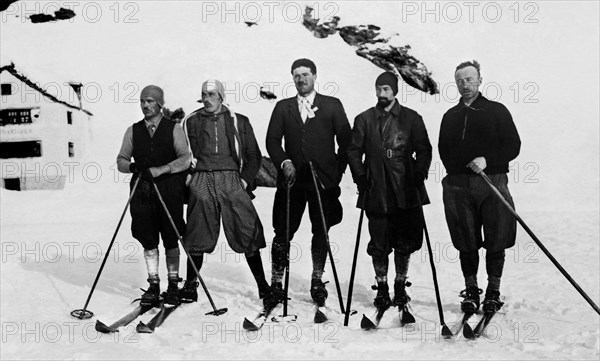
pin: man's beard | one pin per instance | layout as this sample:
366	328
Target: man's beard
384	102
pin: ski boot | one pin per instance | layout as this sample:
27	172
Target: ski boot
318	292
189	292
401	298
172	296
272	296
491	302
382	301
470	304
150	296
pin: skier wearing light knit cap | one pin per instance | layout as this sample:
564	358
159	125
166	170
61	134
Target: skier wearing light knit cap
226	159
158	147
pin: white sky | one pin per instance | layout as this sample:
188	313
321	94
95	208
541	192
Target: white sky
540	59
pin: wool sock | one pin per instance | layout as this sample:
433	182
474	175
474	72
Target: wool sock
151	258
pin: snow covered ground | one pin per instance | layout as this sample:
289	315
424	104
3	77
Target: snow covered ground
536	59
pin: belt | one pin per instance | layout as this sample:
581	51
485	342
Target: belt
392	153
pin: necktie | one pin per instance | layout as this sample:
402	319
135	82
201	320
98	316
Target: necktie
151	129
305	110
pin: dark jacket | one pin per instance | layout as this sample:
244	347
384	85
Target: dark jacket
310	141
483	129
251	155
388	141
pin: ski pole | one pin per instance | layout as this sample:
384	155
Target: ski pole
215	311
538	242
84	313
446	332
287	244
352	273
445	329
335	277
355	258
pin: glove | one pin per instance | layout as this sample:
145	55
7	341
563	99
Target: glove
289	172
361	183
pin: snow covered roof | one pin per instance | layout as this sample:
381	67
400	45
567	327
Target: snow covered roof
11	69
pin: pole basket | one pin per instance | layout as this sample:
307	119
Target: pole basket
218	312
284	318
446	333
82	314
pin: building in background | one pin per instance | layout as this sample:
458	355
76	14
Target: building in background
41	136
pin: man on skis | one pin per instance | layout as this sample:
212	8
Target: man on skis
475	135
390	180
158	147
226	159
304	129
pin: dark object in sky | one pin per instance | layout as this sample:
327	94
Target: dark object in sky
397	60
4	4
375	49
41	18
265	94
250	23
361	34
320	31
60	14
64	14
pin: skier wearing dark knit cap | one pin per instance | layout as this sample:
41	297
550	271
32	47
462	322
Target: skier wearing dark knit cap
390	181
158	147
478	134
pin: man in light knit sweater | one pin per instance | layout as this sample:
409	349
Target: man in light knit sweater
227	159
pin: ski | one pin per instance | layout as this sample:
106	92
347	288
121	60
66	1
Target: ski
460	325
320	314
123	321
156	321
405	316
483	323
370	323
257	322
468	331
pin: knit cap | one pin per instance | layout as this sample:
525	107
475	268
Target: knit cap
154	92
388	78
214	85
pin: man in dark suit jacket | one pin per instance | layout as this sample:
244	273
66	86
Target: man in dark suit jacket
309	124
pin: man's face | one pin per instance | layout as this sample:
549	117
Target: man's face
304	80
150	108
385	95
212	101
468	82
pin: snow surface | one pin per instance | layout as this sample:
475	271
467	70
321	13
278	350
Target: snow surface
53	241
